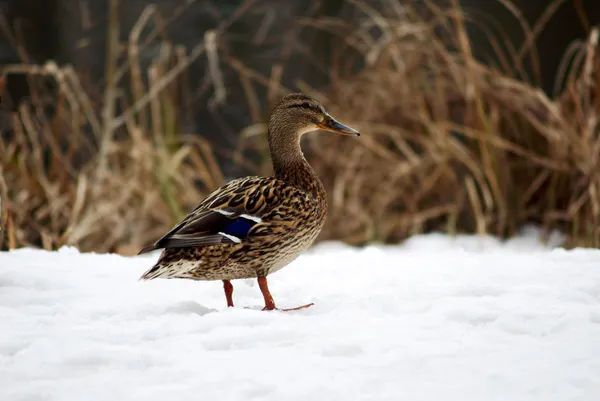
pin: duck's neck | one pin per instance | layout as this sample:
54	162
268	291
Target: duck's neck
290	165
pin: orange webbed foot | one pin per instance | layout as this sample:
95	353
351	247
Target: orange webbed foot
289	309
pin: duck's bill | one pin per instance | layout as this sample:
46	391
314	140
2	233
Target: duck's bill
331	124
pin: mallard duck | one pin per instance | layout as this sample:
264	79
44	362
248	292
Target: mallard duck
255	226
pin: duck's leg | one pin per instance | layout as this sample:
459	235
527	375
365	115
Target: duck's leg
264	288
269	302
228	287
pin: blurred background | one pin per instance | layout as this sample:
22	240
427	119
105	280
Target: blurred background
117	116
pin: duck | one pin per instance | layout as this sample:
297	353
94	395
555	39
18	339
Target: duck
254	226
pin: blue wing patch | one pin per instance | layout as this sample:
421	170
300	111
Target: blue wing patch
239	227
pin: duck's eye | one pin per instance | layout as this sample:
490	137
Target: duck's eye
305	106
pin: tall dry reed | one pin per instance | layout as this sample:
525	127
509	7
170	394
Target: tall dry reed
453	145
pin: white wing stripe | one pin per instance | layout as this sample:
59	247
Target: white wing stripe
245	216
231	237
253	218
223	212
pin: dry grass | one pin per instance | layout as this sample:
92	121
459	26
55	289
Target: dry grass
449	144
95	178
452	145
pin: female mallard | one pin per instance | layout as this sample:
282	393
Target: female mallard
254	226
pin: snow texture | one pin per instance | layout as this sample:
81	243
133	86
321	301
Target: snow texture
436	319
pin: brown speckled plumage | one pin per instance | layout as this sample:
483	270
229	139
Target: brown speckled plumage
284	213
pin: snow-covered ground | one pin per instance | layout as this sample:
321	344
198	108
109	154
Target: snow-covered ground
436	319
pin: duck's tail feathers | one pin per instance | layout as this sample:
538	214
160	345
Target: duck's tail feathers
155	272
148	248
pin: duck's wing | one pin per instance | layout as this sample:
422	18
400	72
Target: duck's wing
211	227
225	217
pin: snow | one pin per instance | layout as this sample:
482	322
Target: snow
434	319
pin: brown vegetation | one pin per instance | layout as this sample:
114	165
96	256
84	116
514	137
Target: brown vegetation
449	144
456	146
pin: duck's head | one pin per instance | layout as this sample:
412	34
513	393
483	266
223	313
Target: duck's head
298	113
